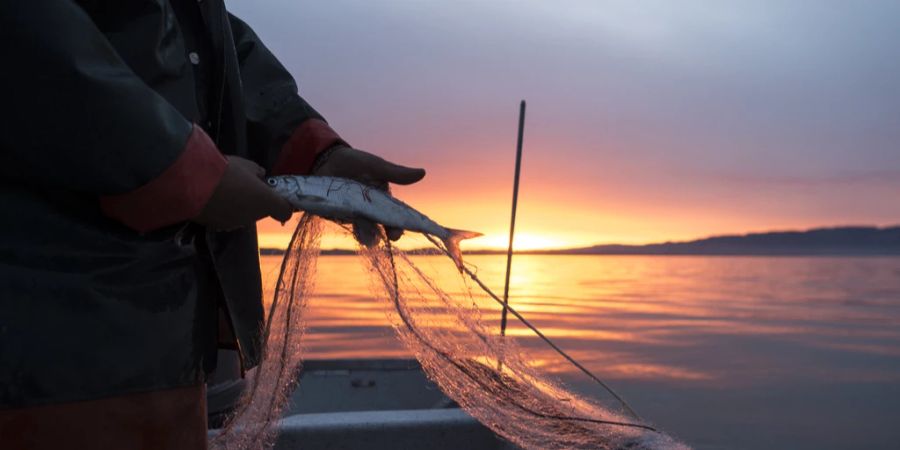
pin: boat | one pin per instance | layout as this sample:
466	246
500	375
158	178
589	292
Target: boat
376	404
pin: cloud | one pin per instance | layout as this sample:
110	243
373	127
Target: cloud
784	107
840	179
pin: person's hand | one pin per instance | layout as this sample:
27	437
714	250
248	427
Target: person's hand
241	198
346	162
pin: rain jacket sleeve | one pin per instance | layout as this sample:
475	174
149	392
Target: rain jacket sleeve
278	119
79	119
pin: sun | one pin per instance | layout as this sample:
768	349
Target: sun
523	241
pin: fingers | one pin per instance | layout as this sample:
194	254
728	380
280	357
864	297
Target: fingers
393	233
241	198
398	174
277	207
365	232
363	166
384	170
247	165
271	204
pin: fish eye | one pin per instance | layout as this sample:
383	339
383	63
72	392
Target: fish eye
273	182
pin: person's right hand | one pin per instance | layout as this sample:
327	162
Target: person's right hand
241	198
347	162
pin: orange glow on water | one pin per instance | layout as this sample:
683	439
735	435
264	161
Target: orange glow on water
671	320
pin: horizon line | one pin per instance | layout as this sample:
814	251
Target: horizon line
636	246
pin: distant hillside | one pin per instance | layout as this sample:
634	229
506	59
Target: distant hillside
865	241
821	241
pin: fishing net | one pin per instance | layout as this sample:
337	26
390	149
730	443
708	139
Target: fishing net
486	374
253	425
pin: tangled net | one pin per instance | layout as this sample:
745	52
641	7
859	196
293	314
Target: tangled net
486	374
254	423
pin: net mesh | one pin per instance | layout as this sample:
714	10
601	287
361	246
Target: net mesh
254	423
486	374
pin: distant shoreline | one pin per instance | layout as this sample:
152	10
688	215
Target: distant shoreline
837	241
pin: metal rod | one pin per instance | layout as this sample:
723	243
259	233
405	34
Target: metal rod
512	220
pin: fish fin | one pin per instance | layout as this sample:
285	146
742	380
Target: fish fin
452	244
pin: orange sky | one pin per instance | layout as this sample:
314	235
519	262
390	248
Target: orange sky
647	121
560	207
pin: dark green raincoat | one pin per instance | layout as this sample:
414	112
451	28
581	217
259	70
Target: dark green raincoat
105	287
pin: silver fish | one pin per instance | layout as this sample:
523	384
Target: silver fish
341	199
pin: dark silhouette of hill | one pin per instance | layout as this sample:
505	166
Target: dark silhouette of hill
820	241
838	241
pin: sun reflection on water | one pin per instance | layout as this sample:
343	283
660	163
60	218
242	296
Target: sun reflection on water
661	318
675	319
711	347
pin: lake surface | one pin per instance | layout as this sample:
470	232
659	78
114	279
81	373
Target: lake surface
722	352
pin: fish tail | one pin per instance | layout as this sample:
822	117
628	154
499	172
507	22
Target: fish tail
452	244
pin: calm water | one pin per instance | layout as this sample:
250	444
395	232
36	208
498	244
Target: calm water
722	352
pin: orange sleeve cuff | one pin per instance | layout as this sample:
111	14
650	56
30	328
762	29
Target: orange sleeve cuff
312	137
179	193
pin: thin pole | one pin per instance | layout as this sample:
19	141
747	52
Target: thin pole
512	220
541	335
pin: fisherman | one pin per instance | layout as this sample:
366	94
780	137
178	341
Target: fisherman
134	137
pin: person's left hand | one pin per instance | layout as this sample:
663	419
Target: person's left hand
346	162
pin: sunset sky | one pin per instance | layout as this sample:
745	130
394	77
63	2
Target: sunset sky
647	121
